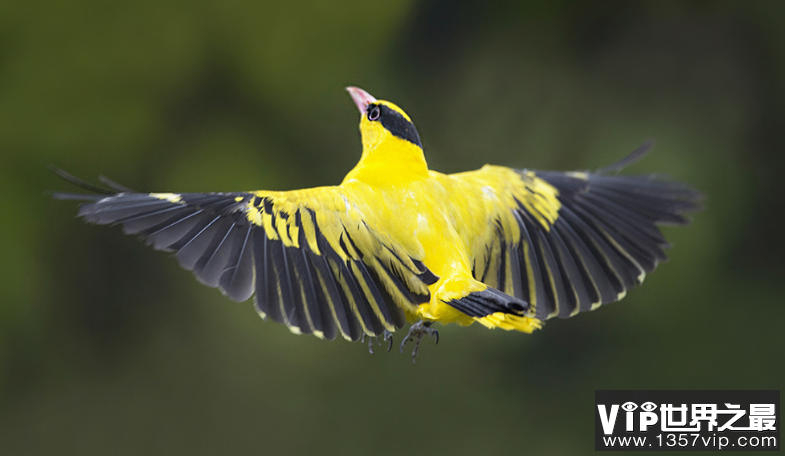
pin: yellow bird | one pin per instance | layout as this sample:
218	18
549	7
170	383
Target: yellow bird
398	242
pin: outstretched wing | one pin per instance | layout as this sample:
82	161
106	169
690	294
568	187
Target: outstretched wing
309	256
570	242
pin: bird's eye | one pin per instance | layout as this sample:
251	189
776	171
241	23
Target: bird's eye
374	113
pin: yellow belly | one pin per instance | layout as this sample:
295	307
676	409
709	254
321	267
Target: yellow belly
421	215
438	219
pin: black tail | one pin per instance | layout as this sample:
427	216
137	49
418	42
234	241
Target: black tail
480	304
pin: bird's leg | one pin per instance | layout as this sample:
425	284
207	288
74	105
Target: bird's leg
386	335
416	333
371	340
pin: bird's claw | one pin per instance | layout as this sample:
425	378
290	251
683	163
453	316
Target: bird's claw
386	336
416	333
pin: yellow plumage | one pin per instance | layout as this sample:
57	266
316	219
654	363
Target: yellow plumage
396	241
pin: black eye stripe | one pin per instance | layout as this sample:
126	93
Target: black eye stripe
397	124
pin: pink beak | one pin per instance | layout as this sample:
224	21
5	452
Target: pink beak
361	98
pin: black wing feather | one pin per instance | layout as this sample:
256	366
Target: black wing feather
606	236
212	234
237	279
602	241
536	294
573	277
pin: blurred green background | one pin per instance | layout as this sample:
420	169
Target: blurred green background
107	347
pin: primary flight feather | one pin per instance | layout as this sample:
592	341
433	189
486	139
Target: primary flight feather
397	242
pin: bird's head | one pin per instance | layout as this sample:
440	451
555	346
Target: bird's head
387	132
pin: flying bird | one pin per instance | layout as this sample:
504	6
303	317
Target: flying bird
396	242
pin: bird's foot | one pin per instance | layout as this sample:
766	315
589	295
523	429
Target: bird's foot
416	333
386	336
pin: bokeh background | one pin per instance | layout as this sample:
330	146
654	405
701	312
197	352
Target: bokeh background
107	347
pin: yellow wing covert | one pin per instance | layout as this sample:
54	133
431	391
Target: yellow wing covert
309	256
568	242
